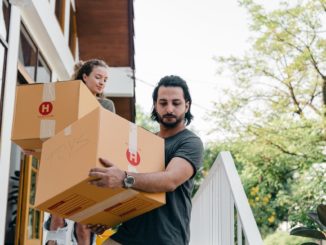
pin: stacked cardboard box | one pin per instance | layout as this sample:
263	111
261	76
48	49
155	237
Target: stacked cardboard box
63	184
66	121
42	110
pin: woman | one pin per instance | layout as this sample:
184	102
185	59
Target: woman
94	73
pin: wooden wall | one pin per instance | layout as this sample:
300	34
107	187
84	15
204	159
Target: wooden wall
105	31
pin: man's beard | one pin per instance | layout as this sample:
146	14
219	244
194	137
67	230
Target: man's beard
169	124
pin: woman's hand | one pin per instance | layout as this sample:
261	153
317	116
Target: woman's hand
29	152
98	229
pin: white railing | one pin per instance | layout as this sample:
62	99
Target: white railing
221	214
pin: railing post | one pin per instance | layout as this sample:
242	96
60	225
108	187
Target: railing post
212	221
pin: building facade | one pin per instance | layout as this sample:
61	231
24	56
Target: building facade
40	41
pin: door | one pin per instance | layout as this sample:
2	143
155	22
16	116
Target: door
29	220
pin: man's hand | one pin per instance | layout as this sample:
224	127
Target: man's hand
108	177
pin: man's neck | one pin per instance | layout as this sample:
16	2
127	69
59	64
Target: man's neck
166	132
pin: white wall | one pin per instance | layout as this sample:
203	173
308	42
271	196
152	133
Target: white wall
120	82
8	106
41	22
39	19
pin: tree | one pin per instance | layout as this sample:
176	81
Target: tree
275	117
144	120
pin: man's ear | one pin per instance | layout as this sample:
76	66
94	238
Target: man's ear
84	77
187	106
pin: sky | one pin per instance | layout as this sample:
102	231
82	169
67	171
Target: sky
181	37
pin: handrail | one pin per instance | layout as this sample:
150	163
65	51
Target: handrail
221	214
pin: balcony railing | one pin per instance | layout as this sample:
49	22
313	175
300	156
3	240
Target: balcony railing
221	214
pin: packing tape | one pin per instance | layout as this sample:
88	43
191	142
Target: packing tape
59	236
67	131
132	146
132	138
48	92
101	206
47	128
132	169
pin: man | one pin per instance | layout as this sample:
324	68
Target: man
168	224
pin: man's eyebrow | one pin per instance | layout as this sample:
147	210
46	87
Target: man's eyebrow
163	99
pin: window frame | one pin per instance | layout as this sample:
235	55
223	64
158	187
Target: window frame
5	45
39	56
61	12
72	39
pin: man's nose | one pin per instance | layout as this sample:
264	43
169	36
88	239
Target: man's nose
170	108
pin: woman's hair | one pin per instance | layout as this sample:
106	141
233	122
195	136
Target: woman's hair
86	67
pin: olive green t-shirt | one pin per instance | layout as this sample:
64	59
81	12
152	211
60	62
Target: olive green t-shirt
169	224
107	104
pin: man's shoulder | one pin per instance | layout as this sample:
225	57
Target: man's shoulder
189	134
186	136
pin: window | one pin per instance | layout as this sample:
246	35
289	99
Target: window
72	31
4	30
3	58
60	12
32	61
27	53
43	73
4	20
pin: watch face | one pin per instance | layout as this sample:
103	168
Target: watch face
129	181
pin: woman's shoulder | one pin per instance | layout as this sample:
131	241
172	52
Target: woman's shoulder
107	104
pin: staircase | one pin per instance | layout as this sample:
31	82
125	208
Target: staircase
221	214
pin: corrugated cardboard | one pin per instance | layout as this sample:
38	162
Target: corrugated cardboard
62	185
41	110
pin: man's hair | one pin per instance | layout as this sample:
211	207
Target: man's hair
172	81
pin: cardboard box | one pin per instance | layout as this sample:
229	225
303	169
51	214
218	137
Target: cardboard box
41	110
62	184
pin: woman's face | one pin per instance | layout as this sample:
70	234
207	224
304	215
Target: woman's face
96	80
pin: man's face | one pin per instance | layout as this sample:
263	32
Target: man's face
171	106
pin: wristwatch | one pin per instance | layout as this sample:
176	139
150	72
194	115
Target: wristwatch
128	181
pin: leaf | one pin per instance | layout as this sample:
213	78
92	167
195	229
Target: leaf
12	223
13	192
13	198
14	178
321	211
314	217
307	232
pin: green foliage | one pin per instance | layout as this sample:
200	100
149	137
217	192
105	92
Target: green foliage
318	233
274	118
283	238
145	121
307	190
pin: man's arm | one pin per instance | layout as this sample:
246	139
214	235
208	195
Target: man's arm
177	172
